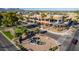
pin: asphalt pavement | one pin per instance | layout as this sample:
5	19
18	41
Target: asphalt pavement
65	41
73	47
6	45
55	36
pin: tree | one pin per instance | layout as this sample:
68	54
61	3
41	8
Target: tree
37	30
54	48
1	17
10	19
20	17
20	31
43	15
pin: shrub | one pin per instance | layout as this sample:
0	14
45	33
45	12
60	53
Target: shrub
54	48
8	34
22	48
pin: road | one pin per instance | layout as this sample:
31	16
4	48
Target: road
66	40
73	47
55	36
6	45
63	40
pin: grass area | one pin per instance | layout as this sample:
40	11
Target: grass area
8	34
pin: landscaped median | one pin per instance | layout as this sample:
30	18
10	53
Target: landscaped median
6	35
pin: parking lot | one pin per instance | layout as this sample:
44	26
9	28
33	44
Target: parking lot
49	43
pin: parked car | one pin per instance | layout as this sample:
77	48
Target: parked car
36	38
74	41
43	31
31	33
32	25
33	40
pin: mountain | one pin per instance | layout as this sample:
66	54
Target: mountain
11	9
2	9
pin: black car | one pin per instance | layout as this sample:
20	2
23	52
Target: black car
74	41
36	38
31	33
43	31
32	25
33	40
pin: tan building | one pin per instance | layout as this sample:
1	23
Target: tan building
58	19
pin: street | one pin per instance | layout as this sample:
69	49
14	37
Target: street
55	36
73	47
65	41
6	45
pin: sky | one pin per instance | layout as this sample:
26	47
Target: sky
53	9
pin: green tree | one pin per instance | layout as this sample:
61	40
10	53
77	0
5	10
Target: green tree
21	30
10	19
37	30
1	17
43	15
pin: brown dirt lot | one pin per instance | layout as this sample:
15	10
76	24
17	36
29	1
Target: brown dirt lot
50	43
